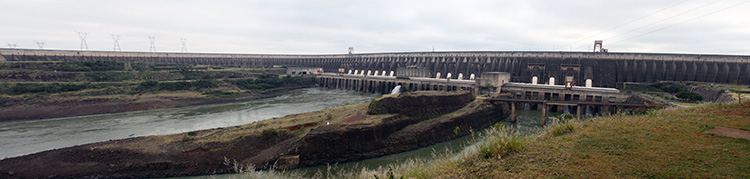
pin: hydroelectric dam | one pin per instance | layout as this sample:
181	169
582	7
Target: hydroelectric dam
600	69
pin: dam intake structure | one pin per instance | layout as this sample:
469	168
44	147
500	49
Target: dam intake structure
598	69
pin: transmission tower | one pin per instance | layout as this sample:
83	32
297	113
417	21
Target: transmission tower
40	44
152	48
184	46
83	36
12	45
116	38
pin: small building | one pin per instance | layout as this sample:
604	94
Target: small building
491	82
304	71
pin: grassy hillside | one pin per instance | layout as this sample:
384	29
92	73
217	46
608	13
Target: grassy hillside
669	143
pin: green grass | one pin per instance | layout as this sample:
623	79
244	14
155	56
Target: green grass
667	143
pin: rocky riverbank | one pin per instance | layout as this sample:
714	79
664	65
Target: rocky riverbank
339	134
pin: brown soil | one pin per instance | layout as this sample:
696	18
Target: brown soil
359	117
729	132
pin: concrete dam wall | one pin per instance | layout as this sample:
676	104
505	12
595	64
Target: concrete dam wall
601	69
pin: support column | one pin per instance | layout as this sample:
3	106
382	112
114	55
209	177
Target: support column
544	113
578	112
605	111
513	113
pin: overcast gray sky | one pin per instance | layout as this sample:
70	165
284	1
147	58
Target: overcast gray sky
323	27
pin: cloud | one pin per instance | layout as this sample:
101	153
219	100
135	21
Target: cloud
313	27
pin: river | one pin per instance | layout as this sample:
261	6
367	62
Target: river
528	123
31	136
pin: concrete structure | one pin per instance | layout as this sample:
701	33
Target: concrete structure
384	84
413	71
557	98
601	69
492	82
544	97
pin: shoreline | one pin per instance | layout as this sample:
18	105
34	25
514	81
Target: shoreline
108	106
353	132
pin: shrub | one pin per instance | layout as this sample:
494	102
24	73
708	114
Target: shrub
109	76
500	143
565	117
268	81
690	96
561	129
23	88
269	133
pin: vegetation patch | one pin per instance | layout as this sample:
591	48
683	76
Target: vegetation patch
268	81
667	144
500	142
24	88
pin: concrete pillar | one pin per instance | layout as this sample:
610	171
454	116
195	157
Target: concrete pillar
513	113
579	111
551	80
544	113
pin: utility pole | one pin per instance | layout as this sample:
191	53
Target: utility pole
83	36
152	48
116	38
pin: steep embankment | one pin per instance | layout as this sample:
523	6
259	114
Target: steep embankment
333	135
669	143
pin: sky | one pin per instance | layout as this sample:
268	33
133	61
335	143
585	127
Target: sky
371	26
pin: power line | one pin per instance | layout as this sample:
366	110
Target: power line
665	19
184	46
629	22
152	48
83	36
116	38
682	22
40	44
